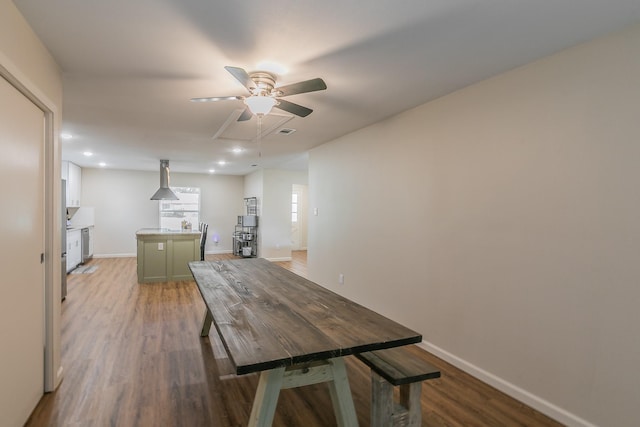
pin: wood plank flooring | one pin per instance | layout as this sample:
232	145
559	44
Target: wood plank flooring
133	356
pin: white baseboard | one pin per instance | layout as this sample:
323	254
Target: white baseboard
59	377
114	255
284	258
224	251
530	399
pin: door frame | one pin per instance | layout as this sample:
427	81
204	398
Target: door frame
52	219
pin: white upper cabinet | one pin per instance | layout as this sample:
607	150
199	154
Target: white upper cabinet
64	170
73	174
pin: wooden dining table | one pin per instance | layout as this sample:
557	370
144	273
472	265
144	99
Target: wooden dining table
291	330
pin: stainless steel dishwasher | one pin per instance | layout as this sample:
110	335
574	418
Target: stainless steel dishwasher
86	236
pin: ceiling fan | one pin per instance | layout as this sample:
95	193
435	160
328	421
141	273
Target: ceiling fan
263	93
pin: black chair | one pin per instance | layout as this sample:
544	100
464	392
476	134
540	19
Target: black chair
203	240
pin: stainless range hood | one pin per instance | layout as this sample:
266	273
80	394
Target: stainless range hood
164	192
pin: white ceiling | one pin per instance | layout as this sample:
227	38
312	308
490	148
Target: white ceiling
130	67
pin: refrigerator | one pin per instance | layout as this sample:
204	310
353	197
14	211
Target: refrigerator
63	239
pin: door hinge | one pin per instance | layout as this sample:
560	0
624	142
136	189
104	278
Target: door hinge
42	258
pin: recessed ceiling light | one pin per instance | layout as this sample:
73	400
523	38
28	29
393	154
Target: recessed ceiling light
212	171
102	164
88	153
222	163
237	150
66	136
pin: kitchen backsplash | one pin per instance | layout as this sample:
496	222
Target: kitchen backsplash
84	216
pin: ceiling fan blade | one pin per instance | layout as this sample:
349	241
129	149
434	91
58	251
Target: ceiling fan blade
301	87
246	115
215	98
292	108
241	75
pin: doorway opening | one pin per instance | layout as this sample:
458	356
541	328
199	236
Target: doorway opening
299	201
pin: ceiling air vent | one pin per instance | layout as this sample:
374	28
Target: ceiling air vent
286	131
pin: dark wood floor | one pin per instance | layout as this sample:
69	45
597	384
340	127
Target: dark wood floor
133	356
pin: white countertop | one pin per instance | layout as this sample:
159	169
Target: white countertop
77	227
166	231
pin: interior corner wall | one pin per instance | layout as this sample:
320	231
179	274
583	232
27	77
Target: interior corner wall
22	50
122	206
273	187
254	187
276	234
502	223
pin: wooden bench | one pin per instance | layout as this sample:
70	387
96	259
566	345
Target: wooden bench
396	367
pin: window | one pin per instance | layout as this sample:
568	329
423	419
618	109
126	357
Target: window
294	207
186	208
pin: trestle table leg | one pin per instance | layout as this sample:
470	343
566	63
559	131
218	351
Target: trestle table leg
266	399
341	395
331	371
206	323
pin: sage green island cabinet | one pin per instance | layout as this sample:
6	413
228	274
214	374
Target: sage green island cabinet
164	255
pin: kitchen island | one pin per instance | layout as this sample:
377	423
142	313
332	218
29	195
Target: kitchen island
164	255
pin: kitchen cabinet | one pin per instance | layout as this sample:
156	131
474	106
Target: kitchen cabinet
64	171
74	249
74	184
73	174
164	256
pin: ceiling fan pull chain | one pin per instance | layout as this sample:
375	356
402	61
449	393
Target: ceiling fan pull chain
259	136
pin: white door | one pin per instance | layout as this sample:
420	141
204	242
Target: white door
22	231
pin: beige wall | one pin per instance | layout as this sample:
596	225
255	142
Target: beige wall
21	50
122	206
254	187
25	62
121	203
502	222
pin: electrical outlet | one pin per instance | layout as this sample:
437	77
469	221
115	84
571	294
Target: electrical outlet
160	246
341	279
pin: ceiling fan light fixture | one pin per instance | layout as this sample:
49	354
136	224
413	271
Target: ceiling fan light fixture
260	105
272	67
